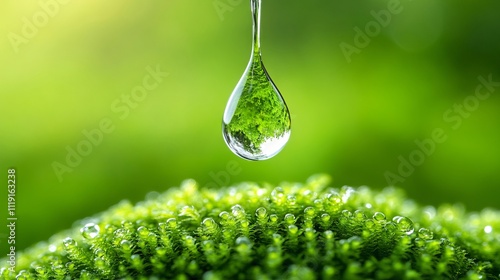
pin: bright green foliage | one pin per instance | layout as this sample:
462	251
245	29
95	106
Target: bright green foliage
292	231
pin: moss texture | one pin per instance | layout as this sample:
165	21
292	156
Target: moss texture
290	231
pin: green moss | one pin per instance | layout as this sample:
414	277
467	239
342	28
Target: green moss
290	231
260	114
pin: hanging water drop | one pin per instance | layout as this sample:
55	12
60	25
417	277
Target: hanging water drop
256	124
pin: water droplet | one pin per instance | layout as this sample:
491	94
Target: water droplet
346	213
379	216
277	194
143	231
425	234
419	242
40	270
391	227
171	223
90	231
333	198
208	245
310	233
405	225
293	229
224	215
273	218
23	274
189	212
359	215
309	212
289	219
99	253
210	224
256	124
325	217
243	240
238	211
189	240
261	212
370	224
126	245
396	218
69	242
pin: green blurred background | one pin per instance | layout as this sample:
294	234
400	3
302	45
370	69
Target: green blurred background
352	120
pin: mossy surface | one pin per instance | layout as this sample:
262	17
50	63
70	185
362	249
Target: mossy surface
290	231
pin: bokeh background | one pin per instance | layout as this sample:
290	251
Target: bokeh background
353	120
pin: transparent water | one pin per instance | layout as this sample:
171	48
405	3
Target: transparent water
256	124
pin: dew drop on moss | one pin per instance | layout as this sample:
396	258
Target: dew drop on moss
143	231
90	231
23	275
277	194
261	212
333	198
293	229
273	218
126	245
359	215
405	225
243	240
224	215
379	216
209	223
171	223
309	212
346	213
69	242
238	211
425	233
325	217
289	219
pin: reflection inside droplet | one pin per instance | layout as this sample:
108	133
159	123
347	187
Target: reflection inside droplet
256	124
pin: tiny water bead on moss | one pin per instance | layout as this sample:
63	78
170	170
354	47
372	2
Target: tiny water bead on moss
251	231
90	231
404	224
379	217
256	124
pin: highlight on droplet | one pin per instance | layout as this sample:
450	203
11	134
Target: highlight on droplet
256	124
